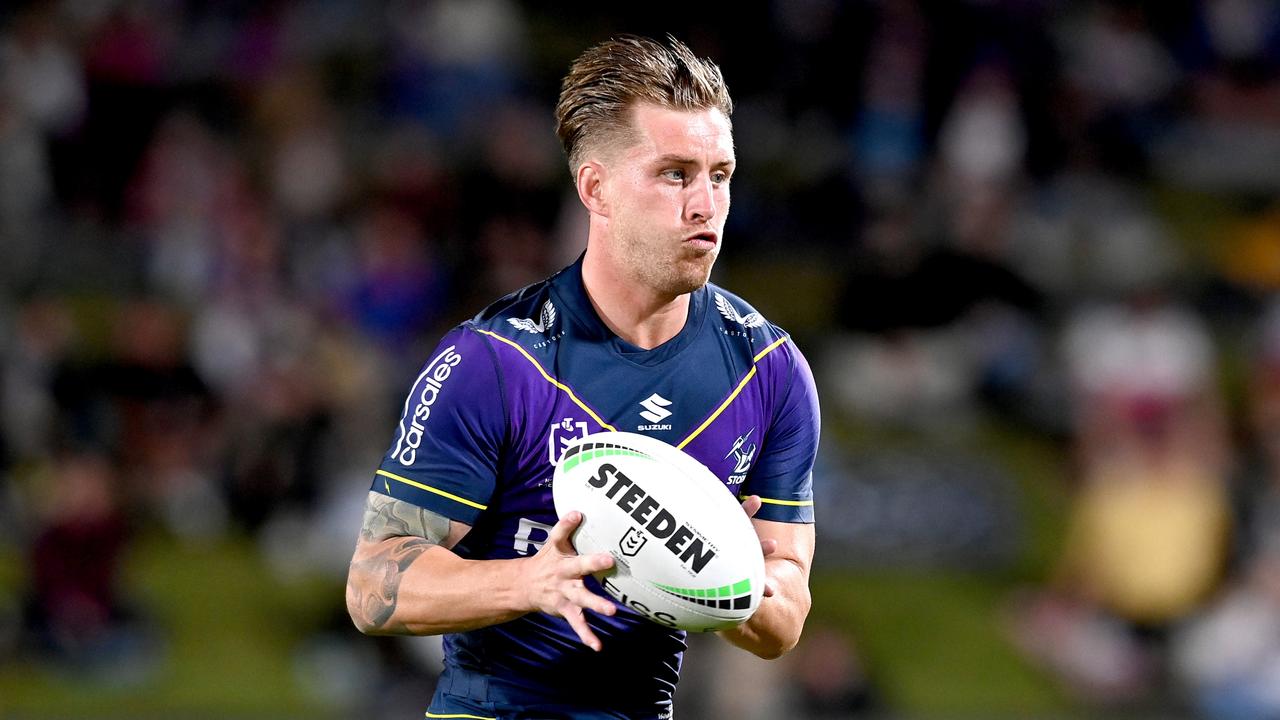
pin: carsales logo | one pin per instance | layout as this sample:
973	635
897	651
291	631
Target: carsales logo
431	382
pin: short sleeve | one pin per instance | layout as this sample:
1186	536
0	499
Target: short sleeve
444	451
783	476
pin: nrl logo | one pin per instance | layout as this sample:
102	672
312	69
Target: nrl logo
545	320
632	542
730	313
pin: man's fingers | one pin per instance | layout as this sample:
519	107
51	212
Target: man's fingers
768	546
751	505
559	535
578	621
594	563
588	600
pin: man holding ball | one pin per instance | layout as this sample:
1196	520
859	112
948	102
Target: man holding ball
460	535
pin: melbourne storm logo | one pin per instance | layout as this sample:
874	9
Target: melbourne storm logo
561	434
743	454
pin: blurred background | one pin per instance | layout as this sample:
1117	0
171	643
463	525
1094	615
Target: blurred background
1031	248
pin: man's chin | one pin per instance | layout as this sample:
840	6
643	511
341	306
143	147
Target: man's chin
693	277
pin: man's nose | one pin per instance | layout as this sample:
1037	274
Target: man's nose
700	203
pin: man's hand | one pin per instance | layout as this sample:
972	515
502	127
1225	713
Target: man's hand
768	546
788	552
554	575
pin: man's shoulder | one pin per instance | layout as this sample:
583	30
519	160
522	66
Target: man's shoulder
530	309
737	317
522	303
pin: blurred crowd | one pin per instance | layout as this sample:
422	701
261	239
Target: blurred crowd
230	232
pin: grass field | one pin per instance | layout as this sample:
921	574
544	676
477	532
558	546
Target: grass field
229	632
933	644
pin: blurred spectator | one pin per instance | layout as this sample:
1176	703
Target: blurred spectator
399	288
888	134
452	59
183	200
409	170
830	678
1230	654
145	402
1144	380
1120	77
823	679
40	72
982	141
75	610
42	95
514	250
306	165
1250	255
1230	138
1147	537
43	334
929	325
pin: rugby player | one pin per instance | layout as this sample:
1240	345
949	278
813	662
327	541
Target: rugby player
460	535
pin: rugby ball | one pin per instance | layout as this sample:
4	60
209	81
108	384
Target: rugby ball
685	554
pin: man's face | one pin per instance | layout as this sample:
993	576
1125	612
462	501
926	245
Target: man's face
668	194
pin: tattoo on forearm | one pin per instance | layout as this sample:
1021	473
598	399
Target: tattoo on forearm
400	532
376	601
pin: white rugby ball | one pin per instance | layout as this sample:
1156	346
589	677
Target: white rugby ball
685	554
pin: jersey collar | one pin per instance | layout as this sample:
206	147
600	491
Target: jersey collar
568	288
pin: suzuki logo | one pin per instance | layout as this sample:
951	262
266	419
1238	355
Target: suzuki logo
655	408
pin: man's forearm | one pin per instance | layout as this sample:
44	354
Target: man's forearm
395	587
405	579
775	627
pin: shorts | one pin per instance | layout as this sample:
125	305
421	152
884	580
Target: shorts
465	695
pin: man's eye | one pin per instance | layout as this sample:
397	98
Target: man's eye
719	177
673	174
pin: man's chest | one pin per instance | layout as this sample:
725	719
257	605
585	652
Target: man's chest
715	409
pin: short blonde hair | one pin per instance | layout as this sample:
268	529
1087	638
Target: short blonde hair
608	79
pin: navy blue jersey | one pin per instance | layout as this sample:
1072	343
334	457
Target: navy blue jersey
495	404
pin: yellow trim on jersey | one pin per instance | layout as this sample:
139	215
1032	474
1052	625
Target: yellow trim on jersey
773	345
794	503
741	384
548	378
460	715
729	400
429	489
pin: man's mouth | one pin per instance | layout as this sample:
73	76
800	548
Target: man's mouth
704	240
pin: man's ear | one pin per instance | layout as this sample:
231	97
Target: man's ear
590	183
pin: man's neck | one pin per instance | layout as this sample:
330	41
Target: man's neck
633	312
